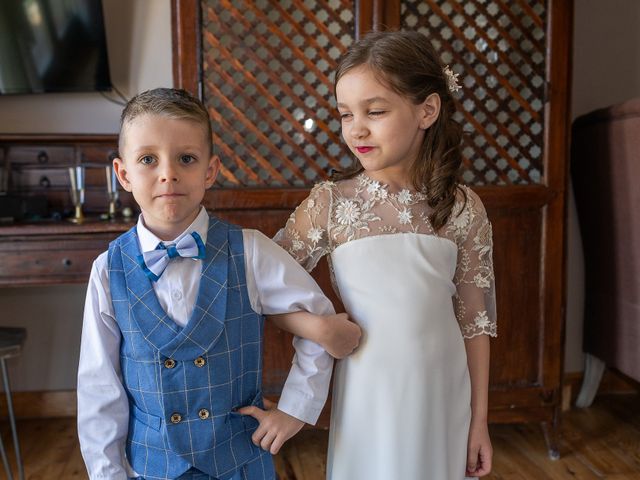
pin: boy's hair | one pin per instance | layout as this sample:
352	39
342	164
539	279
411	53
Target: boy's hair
405	62
169	102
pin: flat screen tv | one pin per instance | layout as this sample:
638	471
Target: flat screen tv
52	46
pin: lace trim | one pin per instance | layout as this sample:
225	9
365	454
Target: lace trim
336	213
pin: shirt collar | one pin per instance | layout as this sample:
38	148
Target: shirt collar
149	241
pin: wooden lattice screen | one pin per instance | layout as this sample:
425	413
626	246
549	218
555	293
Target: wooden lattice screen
498	48
267	82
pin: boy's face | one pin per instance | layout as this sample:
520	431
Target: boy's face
167	165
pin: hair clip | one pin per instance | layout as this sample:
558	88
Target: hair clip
452	79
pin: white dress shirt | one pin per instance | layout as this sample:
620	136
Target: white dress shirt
276	283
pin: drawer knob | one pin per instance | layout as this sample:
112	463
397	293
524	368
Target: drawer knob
43	157
66	262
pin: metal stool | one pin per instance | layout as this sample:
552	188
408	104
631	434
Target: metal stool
11	340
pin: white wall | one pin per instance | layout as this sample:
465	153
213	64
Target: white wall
606	71
606	54
139	43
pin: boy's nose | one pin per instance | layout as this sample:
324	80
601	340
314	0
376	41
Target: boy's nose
169	175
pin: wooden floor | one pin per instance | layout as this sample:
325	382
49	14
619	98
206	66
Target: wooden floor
600	442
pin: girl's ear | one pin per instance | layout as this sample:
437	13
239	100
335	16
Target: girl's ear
121	173
429	110
212	170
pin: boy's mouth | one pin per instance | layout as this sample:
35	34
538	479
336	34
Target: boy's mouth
364	149
169	195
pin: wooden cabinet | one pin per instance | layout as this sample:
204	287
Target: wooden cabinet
51	250
264	71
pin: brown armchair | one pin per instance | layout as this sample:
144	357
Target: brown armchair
605	170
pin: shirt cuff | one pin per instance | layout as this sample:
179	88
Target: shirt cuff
300	406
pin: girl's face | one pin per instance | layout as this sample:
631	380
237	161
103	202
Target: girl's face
383	129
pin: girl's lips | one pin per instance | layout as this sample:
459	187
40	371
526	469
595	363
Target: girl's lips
364	149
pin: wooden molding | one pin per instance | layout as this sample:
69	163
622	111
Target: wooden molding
62	403
374	15
185	36
553	262
41	404
612	382
57	139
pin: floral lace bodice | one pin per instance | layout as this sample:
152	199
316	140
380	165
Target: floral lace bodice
339	212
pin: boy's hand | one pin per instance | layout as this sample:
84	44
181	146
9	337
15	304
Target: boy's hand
340	335
276	427
479	451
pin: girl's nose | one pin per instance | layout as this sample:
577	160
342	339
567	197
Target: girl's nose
358	129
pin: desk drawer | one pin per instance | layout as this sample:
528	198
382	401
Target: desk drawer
43	261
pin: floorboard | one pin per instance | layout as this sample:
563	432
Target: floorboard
601	442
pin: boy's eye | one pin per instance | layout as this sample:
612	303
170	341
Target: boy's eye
377	113
345	116
186	159
147	160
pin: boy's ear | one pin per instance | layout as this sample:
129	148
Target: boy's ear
121	173
212	171
430	110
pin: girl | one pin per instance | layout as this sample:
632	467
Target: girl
410	251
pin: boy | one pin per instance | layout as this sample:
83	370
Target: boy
171	353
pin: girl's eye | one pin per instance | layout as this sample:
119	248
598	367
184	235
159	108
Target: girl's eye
187	159
345	116
147	160
377	113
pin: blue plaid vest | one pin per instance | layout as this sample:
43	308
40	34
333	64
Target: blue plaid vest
184	384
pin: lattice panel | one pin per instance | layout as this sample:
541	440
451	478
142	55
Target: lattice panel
267	85
498	48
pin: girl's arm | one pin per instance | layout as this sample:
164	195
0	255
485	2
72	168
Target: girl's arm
338	335
478	361
479	450
474	303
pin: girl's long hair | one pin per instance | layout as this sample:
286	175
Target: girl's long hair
405	62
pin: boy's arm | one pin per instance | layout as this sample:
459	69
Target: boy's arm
278	284
103	409
338	335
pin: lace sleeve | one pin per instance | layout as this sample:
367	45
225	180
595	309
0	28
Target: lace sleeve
474	301
305	235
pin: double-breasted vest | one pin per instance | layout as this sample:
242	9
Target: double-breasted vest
184	384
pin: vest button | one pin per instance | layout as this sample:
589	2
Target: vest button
199	362
203	413
176	418
169	363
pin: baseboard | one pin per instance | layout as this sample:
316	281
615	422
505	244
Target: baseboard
62	403
612	382
43	404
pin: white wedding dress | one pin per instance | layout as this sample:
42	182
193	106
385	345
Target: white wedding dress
401	402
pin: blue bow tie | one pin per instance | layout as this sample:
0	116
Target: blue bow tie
155	261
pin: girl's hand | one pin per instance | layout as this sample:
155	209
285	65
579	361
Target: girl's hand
479	451
340	336
276	427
